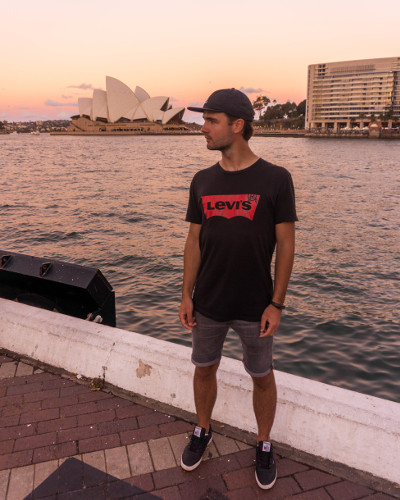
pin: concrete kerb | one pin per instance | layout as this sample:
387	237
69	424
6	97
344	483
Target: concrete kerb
333	424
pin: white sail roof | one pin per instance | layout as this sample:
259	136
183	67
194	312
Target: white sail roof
85	106
99	106
119	101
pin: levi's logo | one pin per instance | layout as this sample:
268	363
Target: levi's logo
230	205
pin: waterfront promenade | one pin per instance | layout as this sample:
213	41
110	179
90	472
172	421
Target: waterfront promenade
62	439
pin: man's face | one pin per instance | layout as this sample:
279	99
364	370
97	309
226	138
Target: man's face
217	131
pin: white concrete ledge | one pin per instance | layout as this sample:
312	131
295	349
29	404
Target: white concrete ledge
343	426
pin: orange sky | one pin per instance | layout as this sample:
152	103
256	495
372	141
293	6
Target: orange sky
180	49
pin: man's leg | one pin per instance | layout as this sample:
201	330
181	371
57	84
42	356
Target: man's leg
205	393
264	403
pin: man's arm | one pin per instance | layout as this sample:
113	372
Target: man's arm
284	256
191	265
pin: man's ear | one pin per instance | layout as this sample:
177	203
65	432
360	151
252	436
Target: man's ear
238	125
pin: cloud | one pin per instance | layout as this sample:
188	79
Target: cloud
66	96
50	102
251	90
82	86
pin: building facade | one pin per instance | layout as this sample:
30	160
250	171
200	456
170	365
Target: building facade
352	93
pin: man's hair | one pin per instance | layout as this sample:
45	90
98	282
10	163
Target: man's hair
247	130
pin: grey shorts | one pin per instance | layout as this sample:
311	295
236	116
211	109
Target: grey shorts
208	338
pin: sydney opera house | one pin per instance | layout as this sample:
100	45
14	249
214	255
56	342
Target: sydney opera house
120	110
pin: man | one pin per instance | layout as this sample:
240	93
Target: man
239	210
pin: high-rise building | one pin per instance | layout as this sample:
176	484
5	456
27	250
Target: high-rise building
348	94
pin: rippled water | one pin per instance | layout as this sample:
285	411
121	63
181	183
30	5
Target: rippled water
118	203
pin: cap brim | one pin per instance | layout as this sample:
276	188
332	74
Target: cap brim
201	110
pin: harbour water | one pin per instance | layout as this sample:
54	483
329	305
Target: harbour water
118	203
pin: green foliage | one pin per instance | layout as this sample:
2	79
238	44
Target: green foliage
1	125
260	103
287	115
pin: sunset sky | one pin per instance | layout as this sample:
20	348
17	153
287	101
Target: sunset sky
53	52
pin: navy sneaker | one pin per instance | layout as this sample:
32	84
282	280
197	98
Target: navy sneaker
194	451
265	465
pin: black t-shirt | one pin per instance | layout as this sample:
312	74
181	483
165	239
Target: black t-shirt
238	212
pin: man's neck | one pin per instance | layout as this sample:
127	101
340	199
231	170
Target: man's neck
238	157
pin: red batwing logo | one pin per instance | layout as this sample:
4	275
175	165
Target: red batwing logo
230	205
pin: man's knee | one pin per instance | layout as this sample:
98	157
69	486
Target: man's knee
265	382
204	372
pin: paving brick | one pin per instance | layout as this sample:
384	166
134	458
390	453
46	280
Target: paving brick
219	465
318	494
53	452
38	441
125	424
154	418
200	486
23	369
247	458
139	435
171	493
176	427
241	494
86	397
43	470
19	409
16	432
161	454
117	462
41	395
69	388
4	476
313	478
39	416
11	400
243	446
346	490
139	459
21	482
113	402
7	447
7	370
99	443
55	382
224	445
77	433
379	496
18	459
56	425
170	477
3	391
58	402
287	467
178	444
9	421
239	478
99	416
143	482
78	409
24	388
95	459
133	410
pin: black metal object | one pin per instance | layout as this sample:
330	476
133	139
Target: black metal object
71	289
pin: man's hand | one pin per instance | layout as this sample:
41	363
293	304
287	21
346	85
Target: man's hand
270	320
186	313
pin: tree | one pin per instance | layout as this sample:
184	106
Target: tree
1	125
260	103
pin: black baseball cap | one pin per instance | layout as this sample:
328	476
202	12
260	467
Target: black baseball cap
230	101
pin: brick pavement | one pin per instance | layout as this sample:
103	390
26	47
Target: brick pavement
61	440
